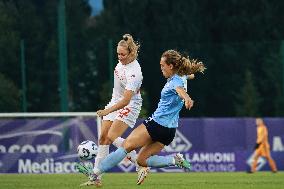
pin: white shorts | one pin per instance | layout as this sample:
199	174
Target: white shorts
128	114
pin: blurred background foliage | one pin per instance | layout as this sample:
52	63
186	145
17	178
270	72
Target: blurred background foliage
239	41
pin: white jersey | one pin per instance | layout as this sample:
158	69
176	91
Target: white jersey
127	77
184	79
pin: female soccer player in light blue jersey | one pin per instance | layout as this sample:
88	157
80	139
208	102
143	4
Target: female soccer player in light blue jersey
159	129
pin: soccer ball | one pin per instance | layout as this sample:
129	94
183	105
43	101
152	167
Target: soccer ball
87	150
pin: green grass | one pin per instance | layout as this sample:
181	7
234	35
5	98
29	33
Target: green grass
257	180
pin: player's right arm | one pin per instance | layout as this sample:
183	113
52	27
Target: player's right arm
120	104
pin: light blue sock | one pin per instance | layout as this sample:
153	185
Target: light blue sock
112	160
160	161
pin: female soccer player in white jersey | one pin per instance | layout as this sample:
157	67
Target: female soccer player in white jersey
124	107
159	129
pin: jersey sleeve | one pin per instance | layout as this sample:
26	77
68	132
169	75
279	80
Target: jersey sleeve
176	82
134	81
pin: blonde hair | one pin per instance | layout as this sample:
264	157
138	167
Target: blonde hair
182	64
131	45
259	121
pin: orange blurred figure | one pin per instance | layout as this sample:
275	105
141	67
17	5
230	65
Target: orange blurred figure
262	147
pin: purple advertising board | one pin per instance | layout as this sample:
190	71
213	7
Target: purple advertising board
210	144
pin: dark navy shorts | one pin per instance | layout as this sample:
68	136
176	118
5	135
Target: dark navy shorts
159	133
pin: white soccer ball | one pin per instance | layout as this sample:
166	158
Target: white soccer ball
87	150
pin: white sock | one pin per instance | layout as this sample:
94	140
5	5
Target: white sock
118	142
103	151
132	156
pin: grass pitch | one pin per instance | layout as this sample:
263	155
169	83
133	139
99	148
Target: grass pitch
240	180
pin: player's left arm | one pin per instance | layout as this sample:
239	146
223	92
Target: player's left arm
188	102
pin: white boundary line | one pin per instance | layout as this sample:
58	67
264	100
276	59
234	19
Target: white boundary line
49	114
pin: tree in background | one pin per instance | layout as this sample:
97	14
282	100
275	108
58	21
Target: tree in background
9	42
229	37
248	99
10	96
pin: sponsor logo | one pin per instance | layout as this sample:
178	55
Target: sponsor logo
27	148
211	167
207	162
126	165
277	144
47	166
260	162
216	157
179	144
212	161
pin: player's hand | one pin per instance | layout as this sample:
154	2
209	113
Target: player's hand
188	103
102	112
191	76
256	145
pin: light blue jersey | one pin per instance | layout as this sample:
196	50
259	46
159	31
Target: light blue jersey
167	113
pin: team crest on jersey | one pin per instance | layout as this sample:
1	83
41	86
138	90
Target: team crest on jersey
179	144
126	165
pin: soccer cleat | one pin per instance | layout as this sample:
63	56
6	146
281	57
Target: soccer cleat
88	183
142	174
82	168
181	162
93	181
98	183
